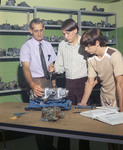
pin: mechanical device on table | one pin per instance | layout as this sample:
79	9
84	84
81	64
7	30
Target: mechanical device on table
52	97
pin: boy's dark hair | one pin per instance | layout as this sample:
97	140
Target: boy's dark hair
35	21
69	25
91	36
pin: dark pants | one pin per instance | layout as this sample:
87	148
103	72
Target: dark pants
76	89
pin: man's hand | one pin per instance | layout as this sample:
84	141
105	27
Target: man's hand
51	68
37	90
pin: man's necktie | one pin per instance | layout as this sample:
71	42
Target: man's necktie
44	66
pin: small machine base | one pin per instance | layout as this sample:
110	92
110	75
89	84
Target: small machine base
36	105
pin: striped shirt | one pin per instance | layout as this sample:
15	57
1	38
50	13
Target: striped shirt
70	61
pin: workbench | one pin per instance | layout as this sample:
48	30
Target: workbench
73	125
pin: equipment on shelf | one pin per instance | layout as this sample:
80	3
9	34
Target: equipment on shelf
97	9
98	24
61	38
54	38
8	86
11	52
7	26
10	3
82	8
52	22
23	4
46	38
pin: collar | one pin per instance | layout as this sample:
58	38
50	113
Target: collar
36	42
103	55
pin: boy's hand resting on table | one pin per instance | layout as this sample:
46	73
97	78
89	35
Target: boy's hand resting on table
82	104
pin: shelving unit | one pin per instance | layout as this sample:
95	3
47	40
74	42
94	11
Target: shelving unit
21	10
14	32
18	9
101	15
69	12
5	58
80	14
15	9
18	90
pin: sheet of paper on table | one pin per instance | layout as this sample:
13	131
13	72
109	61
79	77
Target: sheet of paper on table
105	114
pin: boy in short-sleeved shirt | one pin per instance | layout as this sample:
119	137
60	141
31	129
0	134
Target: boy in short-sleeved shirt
107	68
107	64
